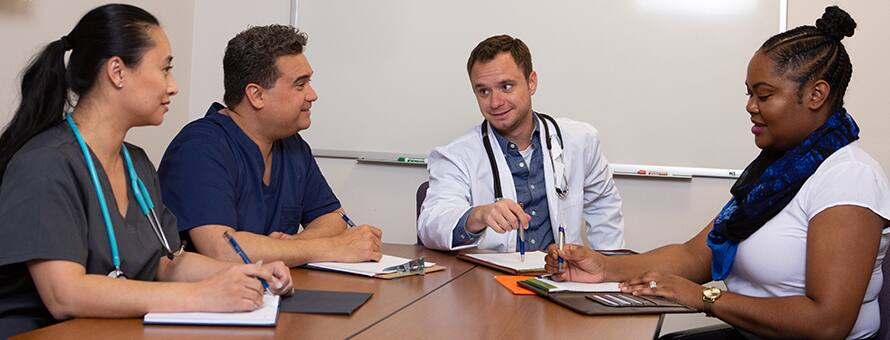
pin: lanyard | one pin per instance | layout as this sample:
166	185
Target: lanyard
139	191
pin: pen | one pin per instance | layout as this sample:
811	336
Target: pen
562	243
521	244
346	218
244	257
521	240
414	160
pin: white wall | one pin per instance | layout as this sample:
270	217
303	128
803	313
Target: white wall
215	22
26	26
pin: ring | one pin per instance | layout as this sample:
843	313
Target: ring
653	284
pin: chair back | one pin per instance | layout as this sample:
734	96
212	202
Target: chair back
421	196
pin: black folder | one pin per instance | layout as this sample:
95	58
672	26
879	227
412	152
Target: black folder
323	302
609	303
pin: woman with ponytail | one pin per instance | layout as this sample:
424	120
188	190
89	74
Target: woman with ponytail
83	231
801	242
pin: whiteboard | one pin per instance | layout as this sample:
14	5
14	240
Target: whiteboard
662	81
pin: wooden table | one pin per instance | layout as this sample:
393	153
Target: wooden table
390	296
475	306
463	301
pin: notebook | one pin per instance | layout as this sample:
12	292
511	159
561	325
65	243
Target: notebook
266	315
551	286
509	262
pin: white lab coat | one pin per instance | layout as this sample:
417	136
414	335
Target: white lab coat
461	178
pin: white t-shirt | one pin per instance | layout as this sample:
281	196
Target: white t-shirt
772	261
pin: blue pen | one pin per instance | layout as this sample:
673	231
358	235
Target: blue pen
521	244
521	238
346	218
562	243
244	257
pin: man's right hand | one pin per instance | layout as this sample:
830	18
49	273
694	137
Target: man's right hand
358	244
502	216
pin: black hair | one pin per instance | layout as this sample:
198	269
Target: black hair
491	47
815	52
250	58
108	31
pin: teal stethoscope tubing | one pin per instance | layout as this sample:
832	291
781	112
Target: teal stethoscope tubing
139	191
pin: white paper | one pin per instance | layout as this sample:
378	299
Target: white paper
581	286
534	260
264	316
366	268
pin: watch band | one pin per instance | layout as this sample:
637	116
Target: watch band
708	308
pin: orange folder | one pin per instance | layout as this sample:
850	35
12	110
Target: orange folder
510	282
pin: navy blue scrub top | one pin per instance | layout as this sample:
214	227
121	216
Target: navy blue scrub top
212	173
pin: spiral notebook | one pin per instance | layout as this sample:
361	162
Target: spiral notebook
266	315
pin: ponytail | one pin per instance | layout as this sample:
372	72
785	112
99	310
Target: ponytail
44	94
104	32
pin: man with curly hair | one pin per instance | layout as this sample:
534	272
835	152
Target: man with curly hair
244	168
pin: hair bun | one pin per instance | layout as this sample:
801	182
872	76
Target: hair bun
836	23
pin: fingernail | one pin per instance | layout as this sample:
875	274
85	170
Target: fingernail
279	285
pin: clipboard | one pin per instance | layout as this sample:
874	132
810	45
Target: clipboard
609	303
389	267
396	275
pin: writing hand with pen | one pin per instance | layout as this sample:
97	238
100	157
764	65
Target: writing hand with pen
580	263
237	289
357	243
502	216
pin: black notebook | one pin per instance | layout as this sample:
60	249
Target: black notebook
323	302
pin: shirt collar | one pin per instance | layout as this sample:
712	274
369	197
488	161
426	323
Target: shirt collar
505	144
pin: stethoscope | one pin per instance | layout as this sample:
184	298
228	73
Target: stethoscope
139	191
560	182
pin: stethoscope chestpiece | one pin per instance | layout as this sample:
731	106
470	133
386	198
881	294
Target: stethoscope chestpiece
117	274
172	255
562	193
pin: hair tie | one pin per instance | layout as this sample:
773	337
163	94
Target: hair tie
66	44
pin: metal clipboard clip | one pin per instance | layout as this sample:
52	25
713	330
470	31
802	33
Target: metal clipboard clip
414	267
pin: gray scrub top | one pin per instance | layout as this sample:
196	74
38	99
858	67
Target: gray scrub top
49	211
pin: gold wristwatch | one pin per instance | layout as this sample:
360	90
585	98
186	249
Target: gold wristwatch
709	296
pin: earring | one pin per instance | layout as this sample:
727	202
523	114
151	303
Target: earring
120	85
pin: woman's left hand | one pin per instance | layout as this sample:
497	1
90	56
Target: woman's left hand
669	286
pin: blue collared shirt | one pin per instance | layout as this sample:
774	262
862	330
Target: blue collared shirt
528	178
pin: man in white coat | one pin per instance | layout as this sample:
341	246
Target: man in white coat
518	169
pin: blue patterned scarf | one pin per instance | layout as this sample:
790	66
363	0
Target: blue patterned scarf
768	184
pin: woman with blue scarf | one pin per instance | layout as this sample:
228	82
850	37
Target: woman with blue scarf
800	243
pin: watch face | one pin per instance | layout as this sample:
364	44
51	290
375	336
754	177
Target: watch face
712	293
